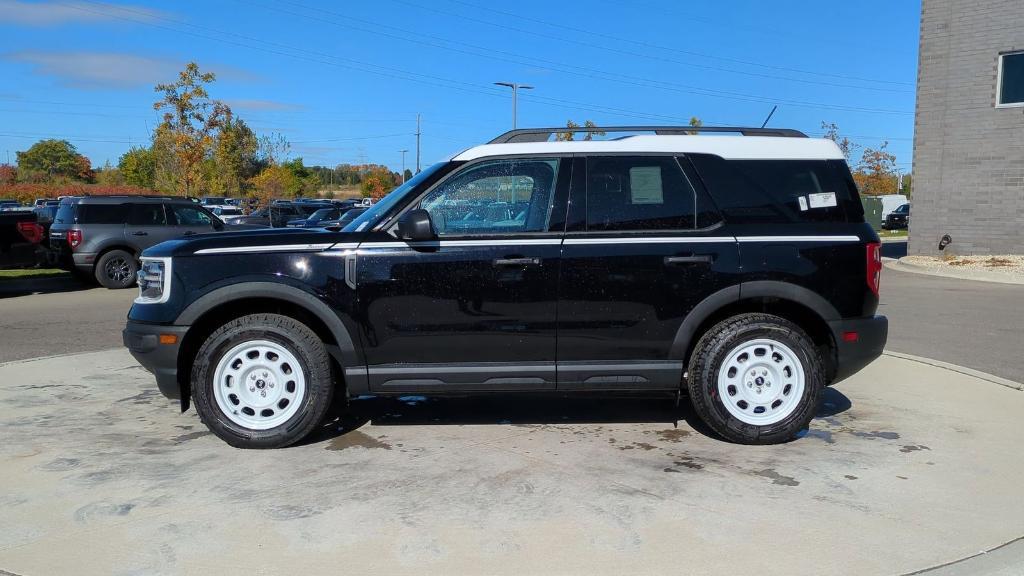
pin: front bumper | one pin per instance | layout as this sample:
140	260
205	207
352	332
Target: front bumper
852	355
143	341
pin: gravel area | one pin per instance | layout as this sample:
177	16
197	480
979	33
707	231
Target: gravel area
1010	266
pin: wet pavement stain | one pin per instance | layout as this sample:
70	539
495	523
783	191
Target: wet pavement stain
689	463
61	464
914	448
673	435
354	439
190	436
849	476
92	511
876	434
777	478
819	434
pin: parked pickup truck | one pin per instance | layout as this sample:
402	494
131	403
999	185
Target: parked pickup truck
20	236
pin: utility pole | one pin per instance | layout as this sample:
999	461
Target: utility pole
403	164
515	92
417	143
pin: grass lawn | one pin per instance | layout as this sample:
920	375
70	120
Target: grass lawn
24	273
892	233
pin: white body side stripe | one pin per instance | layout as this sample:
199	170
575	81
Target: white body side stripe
797	239
269	248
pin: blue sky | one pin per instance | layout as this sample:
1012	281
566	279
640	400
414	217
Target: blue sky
343	81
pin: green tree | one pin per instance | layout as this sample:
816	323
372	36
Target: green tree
235	158
138	167
190	122
109	175
51	159
408	174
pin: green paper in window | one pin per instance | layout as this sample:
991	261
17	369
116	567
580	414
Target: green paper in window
645	185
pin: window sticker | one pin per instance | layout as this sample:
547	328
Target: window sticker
803	203
645	185
822	200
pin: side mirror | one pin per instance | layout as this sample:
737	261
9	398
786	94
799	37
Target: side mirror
416	225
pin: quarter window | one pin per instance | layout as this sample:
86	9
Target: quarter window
1011	79
191	216
498	197
638	193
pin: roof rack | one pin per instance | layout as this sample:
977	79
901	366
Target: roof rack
544	134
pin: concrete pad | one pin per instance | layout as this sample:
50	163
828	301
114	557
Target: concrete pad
909	466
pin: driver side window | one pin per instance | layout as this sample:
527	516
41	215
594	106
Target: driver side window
497	197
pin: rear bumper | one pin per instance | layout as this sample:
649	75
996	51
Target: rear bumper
143	341
851	356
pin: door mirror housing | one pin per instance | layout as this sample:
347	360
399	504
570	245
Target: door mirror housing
416	225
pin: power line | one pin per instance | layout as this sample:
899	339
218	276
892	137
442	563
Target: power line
387	71
493	54
620	39
645	44
414	36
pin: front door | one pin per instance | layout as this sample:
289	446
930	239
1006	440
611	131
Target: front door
190	220
476	308
147	226
643	246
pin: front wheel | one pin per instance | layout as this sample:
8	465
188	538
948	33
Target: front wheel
756	379
262	381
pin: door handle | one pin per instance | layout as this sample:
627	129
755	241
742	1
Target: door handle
680	260
517	262
140	233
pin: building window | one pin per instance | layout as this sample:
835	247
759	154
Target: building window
1011	79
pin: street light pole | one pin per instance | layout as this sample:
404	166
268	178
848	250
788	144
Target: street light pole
403	165
515	92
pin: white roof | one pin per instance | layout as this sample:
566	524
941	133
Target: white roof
729	147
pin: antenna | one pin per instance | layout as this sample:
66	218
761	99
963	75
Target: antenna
770	114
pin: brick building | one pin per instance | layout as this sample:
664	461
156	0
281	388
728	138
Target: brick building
969	128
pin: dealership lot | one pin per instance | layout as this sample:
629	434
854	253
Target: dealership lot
104	476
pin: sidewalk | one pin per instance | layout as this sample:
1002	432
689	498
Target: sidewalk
909	466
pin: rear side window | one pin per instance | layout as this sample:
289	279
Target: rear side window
639	193
188	215
147	215
757	191
65	213
102	213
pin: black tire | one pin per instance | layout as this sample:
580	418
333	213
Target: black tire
116	269
299	340
713	349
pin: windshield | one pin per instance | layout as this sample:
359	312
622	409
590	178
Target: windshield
324	213
385	204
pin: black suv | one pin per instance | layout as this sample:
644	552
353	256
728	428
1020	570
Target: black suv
738	270
101	237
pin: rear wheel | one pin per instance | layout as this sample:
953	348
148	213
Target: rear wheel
262	381
116	269
756	379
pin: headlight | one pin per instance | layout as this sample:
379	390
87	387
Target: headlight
154	280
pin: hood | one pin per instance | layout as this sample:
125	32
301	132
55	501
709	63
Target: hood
253	241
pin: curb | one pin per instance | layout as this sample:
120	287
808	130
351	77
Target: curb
977	275
957	368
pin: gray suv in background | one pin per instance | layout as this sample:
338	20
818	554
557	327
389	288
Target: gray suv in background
101	237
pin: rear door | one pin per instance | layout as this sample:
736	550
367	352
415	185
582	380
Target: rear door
643	246
147	226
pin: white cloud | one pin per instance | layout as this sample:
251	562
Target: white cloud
112	69
53	13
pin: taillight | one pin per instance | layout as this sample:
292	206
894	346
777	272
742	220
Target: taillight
74	238
874	266
32	231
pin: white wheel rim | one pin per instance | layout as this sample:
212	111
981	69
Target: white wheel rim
259	384
761	382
